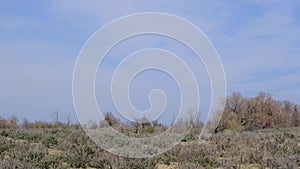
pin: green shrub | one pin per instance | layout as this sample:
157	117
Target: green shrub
235	125
167	162
49	141
188	137
52	161
4	133
149	130
5	145
207	162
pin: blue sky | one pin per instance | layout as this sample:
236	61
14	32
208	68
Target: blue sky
258	42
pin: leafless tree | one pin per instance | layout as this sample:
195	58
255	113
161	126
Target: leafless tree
295	120
235	103
13	122
68	119
111	119
57	117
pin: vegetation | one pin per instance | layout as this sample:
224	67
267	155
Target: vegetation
257	132
259	112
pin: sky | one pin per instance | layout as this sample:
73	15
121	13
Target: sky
257	41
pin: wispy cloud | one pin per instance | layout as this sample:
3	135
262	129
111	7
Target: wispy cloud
258	42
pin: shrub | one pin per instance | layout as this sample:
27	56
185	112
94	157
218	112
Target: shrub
5	145
4	123
4	133
111	119
149	130
188	137
40	124
235	125
207	162
49	141
167	161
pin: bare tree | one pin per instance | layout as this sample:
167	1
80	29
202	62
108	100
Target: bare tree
144	122
111	119
235	103
13	122
285	114
4	123
26	124
68	119
295	119
57	117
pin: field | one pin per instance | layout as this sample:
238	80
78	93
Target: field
70	147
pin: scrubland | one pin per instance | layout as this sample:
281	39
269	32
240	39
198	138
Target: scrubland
257	132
